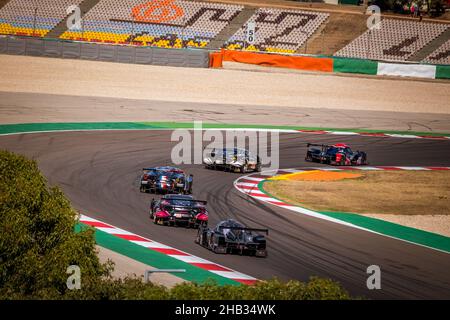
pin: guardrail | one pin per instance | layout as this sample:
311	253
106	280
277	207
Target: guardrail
55	48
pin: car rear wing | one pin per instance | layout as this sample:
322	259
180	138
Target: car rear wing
317	145
266	231
322	147
204	202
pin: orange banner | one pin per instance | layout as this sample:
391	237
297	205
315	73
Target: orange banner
276	60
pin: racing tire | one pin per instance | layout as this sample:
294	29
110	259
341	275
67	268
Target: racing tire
211	245
243	169
199	238
342	162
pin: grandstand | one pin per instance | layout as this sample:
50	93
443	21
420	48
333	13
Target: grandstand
395	40
441	55
215	25
33	18
180	24
278	30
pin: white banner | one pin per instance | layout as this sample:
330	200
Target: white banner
407	70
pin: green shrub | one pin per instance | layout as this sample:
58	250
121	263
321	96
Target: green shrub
315	289
38	243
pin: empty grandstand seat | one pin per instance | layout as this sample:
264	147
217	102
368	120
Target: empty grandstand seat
394	40
33	18
278	30
162	23
440	55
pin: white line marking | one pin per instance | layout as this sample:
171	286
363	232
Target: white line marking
232	275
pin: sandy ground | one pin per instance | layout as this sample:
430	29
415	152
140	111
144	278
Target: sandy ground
388	192
102	79
35	107
390	196
45	90
125	266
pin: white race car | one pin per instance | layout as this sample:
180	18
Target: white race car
232	159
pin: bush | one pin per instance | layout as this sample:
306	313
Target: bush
37	238
315	289
38	243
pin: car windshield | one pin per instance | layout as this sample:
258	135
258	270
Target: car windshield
180	203
235	151
333	150
236	234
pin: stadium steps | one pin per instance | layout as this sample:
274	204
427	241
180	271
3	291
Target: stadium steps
234	25
3	3
431	47
61	27
314	37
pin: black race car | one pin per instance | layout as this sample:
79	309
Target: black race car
166	180
230	236
337	154
175	209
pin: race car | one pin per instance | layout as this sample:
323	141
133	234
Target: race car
165	180
175	209
230	236
232	159
337	154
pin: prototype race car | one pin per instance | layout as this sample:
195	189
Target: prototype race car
232	159
166	180
230	236
175	209
337	154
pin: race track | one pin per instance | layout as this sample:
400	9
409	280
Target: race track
99	172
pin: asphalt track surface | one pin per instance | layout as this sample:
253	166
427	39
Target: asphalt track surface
99	172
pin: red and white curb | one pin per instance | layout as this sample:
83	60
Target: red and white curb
376	134
172	252
342	133
249	185
333	132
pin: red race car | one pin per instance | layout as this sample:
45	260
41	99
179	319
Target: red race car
176	209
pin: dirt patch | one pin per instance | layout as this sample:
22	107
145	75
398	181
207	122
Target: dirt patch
396	192
127	267
417	199
339	31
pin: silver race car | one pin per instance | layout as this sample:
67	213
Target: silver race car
232	159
